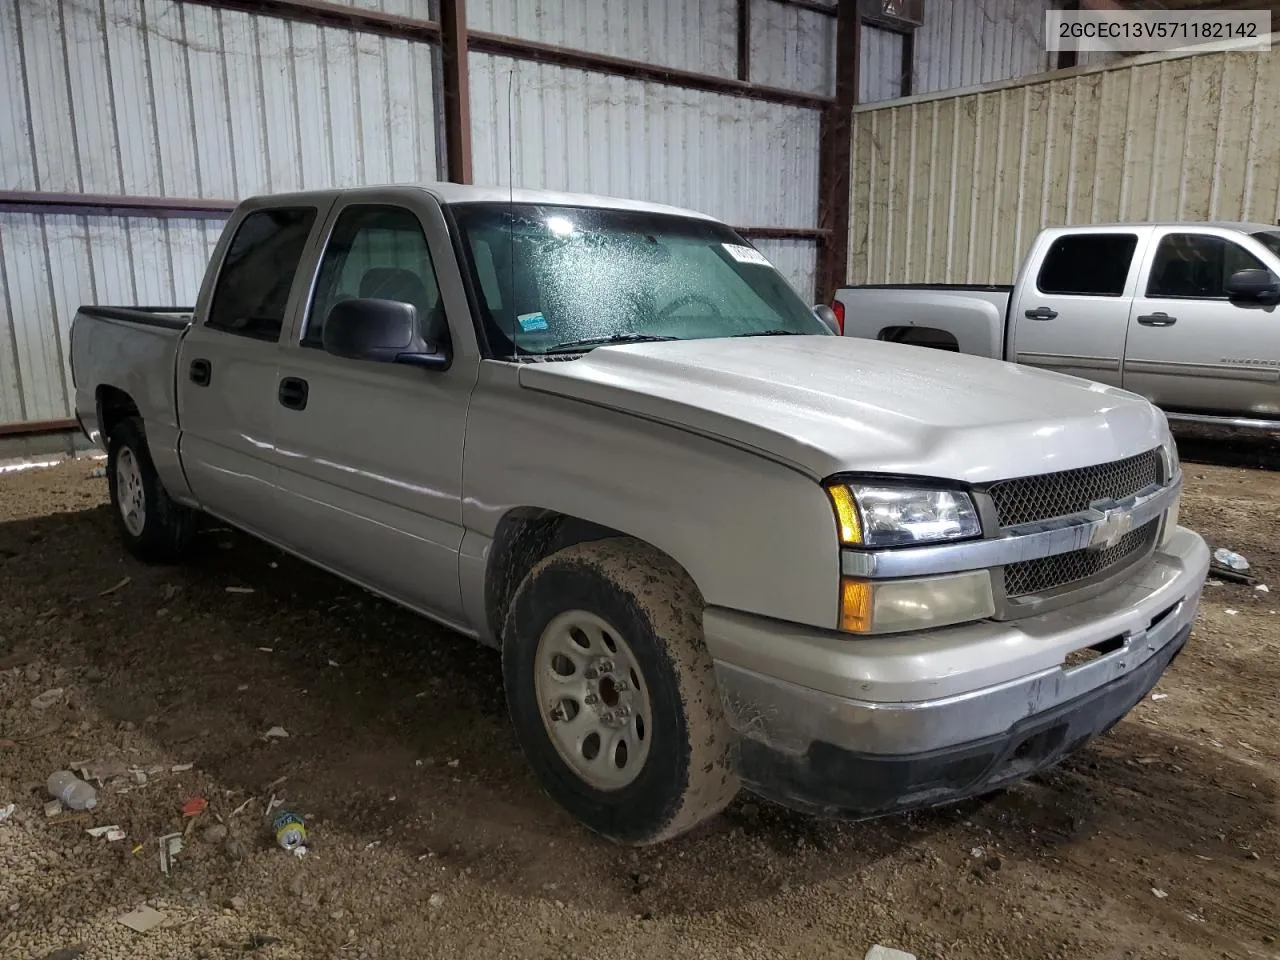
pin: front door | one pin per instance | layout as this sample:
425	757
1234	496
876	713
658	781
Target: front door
227	367
371	453
1071	315
1191	349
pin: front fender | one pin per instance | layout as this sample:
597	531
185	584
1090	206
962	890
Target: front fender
756	535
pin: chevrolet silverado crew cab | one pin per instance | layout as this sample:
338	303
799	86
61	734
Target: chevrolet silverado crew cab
1187	315
716	544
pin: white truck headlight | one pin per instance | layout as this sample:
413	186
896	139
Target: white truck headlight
874	515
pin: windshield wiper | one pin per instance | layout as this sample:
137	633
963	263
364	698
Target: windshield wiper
572	346
771	333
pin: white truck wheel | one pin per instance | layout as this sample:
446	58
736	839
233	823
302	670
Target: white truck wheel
154	528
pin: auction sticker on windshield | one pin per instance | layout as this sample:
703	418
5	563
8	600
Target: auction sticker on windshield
529	322
745	254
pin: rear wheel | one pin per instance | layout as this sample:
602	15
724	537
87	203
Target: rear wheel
153	527
613	694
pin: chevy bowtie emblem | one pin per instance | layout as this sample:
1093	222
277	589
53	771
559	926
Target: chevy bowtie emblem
1114	525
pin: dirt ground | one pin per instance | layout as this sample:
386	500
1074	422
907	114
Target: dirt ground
430	839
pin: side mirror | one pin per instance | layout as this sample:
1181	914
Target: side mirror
828	316
1252	286
381	331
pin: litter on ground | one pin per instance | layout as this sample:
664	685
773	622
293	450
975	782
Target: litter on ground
119	586
143	920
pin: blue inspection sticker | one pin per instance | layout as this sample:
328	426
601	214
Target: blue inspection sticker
529	322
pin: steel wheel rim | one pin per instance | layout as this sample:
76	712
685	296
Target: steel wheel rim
593	699
130	497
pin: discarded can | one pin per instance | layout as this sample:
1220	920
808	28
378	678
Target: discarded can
291	832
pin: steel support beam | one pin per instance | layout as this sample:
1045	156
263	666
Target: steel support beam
326	14
457	90
428	31
106	205
31	428
638	70
907	85
836	156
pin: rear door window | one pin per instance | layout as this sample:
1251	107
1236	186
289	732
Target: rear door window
252	292
1088	265
1195	266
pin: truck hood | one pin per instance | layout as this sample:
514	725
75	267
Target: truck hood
832	404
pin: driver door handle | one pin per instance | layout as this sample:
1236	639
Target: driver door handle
293	393
1041	313
1157	320
201	372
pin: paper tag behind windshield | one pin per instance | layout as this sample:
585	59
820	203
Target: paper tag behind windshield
745	254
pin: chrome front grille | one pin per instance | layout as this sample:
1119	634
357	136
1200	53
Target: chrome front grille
1079	567
1049	495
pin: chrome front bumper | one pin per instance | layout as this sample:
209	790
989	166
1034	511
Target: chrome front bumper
792	693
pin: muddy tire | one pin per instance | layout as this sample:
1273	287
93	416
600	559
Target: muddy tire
612	691
153	527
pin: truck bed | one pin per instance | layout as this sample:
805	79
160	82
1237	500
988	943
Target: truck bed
966	318
124	349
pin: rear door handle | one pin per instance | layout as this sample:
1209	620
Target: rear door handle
293	393
1157	320
1041	313
201	372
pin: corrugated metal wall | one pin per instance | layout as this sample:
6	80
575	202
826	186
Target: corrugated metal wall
165	99
792	47
171	100
745	161
879	65
748	162
952	189
698	35
964	43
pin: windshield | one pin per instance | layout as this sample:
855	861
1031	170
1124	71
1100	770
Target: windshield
1269	239
558	279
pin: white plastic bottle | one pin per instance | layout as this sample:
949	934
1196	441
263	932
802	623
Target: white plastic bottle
72	791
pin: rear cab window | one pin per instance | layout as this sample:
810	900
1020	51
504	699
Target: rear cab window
1088	265
251	295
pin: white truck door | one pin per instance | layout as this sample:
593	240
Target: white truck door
227	365
371	478
1071	303
1190	348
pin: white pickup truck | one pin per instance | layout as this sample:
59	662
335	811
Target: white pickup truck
1185	314
716	544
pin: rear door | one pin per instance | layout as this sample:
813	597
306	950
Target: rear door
1192	350
1071	306
227	366
371	453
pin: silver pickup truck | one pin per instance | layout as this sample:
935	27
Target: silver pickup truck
1185	314
716	544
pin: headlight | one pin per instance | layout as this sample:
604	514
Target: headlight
893	516
892	606
1171	462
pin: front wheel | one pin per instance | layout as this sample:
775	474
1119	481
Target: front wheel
153	527
612	691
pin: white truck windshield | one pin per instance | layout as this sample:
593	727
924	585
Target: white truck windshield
557	279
